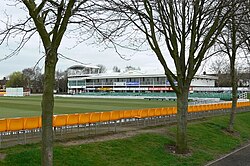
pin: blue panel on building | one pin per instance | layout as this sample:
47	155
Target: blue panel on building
132	83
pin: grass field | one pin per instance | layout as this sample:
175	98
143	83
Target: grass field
207	141
30	105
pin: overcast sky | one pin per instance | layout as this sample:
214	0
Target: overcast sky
85	52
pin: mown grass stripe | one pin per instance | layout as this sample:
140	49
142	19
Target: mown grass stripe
31	105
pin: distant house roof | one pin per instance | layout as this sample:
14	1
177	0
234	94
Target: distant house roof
3	81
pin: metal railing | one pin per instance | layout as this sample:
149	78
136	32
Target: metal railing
28	130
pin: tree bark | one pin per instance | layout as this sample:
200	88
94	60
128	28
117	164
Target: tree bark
234	94
47	109
182	106
234	103
233	75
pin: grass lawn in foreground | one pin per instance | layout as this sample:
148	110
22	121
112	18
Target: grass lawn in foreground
30	105
206	139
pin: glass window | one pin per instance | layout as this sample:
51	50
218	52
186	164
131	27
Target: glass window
81	83
72	83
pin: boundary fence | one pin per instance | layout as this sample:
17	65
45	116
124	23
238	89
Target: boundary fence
27	130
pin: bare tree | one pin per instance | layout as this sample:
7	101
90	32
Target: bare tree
116	69
246	29
38	82
49	19
61	81
231	42
127	68
28	75
102	68
182	30
219	64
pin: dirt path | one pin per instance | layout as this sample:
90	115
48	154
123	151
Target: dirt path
115	136
2	156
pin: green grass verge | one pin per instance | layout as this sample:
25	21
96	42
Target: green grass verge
207	140
30	105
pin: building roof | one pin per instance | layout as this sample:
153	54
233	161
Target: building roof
136	74
83	66
3	81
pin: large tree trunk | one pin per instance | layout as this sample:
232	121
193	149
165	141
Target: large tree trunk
182	106
47	109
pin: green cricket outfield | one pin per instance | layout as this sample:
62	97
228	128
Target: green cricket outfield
31	105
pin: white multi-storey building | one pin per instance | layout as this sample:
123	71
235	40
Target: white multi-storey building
88	79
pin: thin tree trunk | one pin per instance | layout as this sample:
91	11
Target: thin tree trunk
47	109
233	76
182	106
234	98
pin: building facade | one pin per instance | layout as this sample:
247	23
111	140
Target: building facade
87	79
